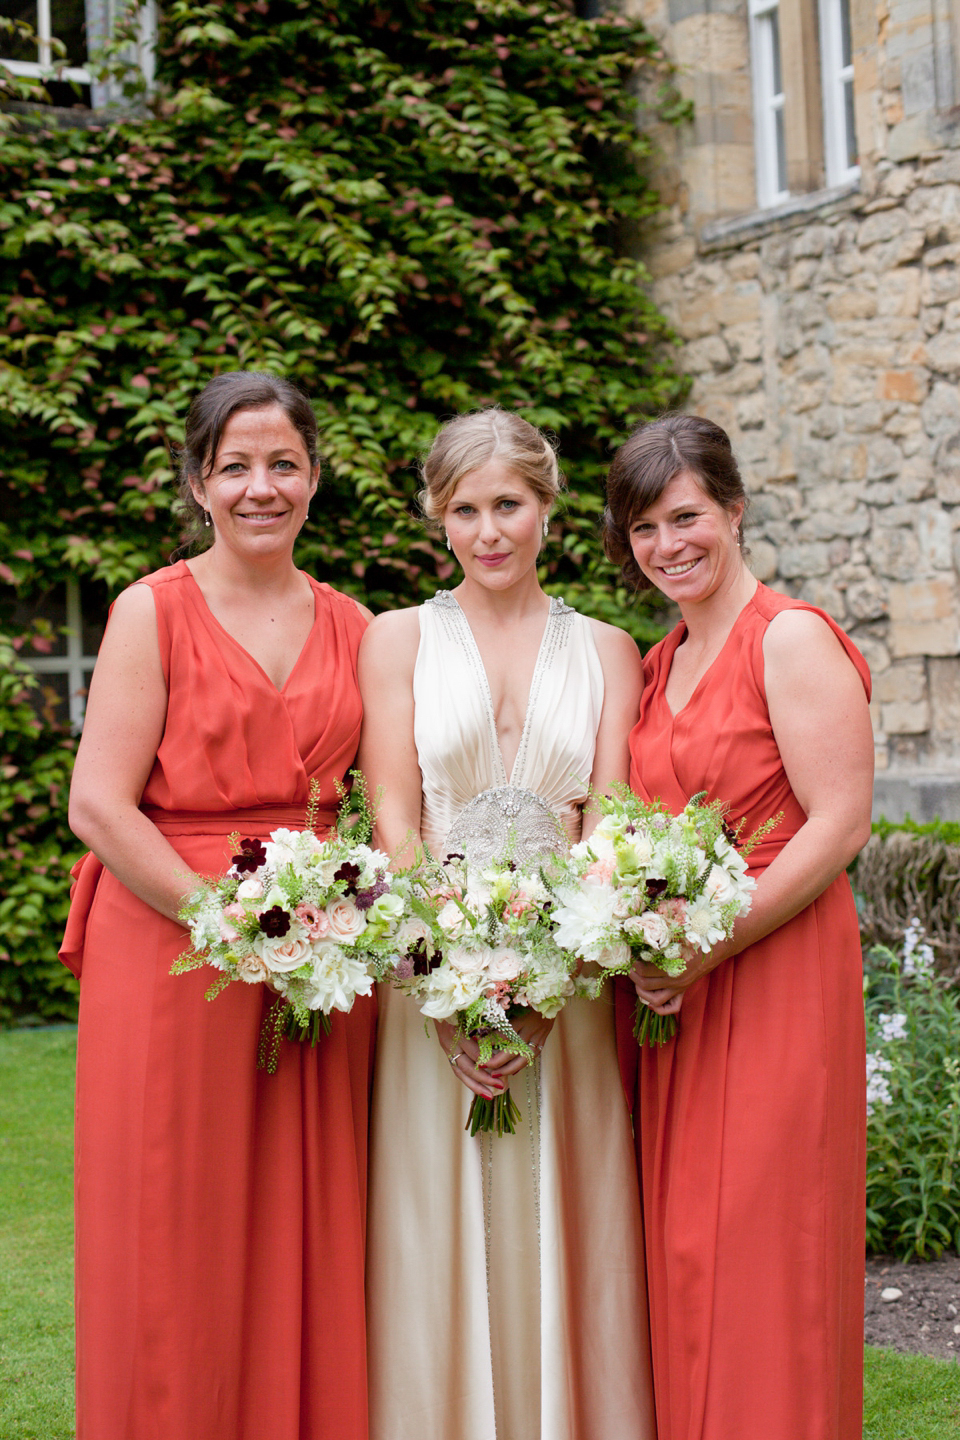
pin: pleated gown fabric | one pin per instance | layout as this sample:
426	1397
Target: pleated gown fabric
220	1210
551	1341
750	1124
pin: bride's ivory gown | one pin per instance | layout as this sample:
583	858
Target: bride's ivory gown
506	1288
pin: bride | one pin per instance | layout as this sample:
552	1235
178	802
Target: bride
505	1275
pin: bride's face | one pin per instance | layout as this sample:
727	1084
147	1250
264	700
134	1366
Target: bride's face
494	522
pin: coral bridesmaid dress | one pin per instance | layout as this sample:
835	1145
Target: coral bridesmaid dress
220	1210
750	1124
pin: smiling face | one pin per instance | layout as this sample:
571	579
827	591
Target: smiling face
260	484
494	522
685	543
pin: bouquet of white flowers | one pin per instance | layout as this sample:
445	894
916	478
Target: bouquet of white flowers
479	953
316	920
652	886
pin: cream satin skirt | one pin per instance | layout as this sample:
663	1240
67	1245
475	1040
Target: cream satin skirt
506	1293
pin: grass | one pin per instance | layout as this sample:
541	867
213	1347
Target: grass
907	1397
36	1234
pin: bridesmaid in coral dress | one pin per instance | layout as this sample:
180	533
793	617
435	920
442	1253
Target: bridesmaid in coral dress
750	1123
220	1210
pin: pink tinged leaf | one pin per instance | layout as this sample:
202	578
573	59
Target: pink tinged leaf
140	382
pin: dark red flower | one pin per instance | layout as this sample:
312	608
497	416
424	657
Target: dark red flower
422	965
655	888
274	922
350	873
252	856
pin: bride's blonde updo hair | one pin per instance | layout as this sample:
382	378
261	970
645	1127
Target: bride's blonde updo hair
467	442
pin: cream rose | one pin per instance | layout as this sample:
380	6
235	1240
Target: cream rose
504	963
283	955
252	969
346	921
249	890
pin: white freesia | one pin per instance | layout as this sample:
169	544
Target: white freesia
275	896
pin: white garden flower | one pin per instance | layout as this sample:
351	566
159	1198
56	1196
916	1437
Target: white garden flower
703	925
338	977
654	929
249	890
385	910
504	963
450	991
582	917
892	1027
878	1087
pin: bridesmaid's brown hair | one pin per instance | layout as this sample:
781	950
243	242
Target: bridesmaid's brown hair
207	416
644	466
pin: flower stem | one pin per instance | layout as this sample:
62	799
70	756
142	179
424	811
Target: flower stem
499	1115
651	1028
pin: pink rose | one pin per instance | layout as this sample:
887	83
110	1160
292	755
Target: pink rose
314	920
283	955
252	969
673	910
229	934
344	920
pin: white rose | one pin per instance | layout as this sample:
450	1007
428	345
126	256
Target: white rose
346	921
504	963
249	890
449	992
452	919
467	961
615	956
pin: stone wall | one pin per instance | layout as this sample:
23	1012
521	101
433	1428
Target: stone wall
824	336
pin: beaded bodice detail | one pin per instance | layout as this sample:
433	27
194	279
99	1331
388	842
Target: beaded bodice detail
469	802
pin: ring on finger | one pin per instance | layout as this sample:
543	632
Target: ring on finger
454	1058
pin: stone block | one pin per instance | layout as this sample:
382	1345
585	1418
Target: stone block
867	599
812	241
874	652
745	342
941	255
693	319
671	259
744	265
752	412
802	273
701	356
904	682
905	248
885	225
945	697
826	596
762	559
899	292
940	285
935	535
833	524
910	138
895	554
906	386
941	410
923	618
884	458
944	352
852	305
737	307
947	469
825	423
905	719
799	562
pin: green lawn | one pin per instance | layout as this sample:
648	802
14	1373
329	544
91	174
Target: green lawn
907	1397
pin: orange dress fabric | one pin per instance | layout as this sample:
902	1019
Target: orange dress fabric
750	1124
220	1210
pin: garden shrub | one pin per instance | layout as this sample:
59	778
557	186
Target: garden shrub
913	1101
906	871
36	852
407	209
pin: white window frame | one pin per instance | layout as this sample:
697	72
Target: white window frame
768	102
836	78
75	665
100	16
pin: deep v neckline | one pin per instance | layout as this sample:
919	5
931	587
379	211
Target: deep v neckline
474	650
675	714
278	689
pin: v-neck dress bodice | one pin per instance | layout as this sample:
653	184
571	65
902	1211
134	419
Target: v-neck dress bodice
505	1276
455	728
220	1210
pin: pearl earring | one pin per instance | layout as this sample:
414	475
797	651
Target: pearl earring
206	517
449	546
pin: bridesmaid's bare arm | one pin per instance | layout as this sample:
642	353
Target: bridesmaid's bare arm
821	723
388	754
126	714
622	687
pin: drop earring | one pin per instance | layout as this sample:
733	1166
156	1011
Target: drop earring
449	546
546	526
206	517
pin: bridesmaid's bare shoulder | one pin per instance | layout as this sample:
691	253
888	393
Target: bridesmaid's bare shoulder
616	648
391	641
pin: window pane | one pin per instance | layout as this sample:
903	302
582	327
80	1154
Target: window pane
10	47
775	47
851	129
846	50
781	152
68	20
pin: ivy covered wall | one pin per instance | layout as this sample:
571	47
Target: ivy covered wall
409	210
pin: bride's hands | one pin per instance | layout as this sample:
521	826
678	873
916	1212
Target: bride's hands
491	1079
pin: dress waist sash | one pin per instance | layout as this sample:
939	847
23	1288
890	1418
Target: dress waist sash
258	820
